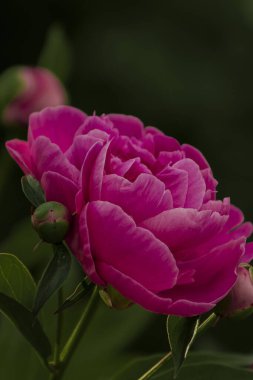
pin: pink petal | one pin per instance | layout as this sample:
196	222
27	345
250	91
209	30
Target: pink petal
236	217
165	143
97	173
59	124
167	158
98	123
222	207
78	150
195	155
133	290
215	274
141	199
60	189
196	184
127	125
185	229
85	177
20	152
186	308
137	293
248	254
119	167
134	251
154	131
125	148
48	157
86	257
176	181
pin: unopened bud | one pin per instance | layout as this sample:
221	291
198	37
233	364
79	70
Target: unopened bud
51	220
239	301
113	299
25	90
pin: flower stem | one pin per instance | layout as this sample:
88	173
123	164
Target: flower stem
59	323
75	337
210	321
155	367
58	330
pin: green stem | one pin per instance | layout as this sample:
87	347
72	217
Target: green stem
58	330
210	321
59	324
75	337
155	368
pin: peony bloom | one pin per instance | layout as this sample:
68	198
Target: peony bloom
146	219
29	89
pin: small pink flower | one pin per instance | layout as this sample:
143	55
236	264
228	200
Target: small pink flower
146	221
37	88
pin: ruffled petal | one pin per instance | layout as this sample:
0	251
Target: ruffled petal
20	152
196	184
60	189
83	195
86	256
127	125
133	290
77	152
176	181
165	143
183	230
141	199
59	124
195	155
248	254
215	274
134	251
47	156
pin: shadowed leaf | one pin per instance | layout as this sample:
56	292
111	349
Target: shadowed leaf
53	277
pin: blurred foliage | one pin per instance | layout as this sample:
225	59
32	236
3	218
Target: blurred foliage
184	66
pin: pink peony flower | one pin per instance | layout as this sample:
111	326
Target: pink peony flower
146	221
36	88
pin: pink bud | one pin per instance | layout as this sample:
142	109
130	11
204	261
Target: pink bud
240	297
37	88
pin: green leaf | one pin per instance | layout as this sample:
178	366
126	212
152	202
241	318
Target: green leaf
181	333
82	290
15	280
24	320
53	277
32	190
56	54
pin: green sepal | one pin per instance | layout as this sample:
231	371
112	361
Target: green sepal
32	190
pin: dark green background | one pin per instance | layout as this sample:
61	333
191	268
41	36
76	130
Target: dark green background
185	66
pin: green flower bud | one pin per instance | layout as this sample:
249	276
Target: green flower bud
113	299
51	220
